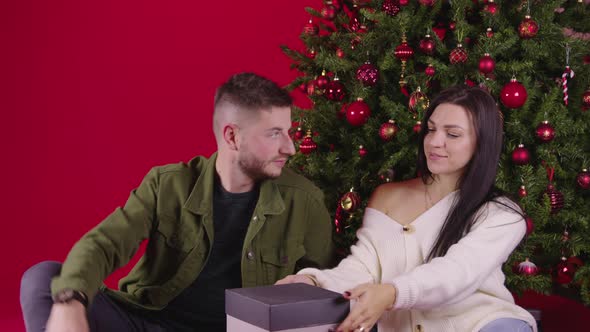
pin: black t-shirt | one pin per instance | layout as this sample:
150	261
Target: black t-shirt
201	307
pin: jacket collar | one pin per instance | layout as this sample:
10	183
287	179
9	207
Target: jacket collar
200	201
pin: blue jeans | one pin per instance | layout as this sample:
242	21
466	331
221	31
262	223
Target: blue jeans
507	325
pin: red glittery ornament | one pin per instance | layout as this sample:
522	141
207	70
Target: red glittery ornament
458	55
357	113
586	99
391	7
545	132
368	74
528	28
388	130
513	94
520	155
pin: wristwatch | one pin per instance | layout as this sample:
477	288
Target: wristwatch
66	295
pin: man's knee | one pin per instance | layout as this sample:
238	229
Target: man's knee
38	278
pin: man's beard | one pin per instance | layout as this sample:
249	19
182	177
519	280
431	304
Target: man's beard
255	168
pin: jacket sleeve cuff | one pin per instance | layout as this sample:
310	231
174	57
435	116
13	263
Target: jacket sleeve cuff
60	283
406	292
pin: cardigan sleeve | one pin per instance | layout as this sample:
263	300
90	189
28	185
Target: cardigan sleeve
458	274
361	266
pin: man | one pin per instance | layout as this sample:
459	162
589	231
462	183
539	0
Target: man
236	219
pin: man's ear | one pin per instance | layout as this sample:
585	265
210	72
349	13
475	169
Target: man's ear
230	133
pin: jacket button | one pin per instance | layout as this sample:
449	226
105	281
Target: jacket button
255	218
250	255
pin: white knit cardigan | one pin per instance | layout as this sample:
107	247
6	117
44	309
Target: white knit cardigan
461	291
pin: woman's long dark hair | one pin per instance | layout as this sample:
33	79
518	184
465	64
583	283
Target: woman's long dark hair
476	184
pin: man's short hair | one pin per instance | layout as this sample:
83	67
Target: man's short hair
253	92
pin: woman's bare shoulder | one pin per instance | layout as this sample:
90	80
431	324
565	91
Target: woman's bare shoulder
394	191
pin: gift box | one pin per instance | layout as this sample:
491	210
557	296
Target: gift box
291	307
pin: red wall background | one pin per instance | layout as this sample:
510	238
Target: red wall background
93	94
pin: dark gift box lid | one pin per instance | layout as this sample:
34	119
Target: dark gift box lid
282	307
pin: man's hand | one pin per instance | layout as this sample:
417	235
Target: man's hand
297	278
68	317
372	301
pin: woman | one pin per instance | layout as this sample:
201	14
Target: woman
429	255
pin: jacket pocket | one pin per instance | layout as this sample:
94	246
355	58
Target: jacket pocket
279	262
177	234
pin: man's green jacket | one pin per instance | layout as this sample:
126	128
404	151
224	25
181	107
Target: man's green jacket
173	209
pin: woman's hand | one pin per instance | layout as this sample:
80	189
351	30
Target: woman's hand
372	301
297	278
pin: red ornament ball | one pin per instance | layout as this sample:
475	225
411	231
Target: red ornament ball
417	127
486	64
458	55
520	155
404	51
530	226
528	28
391	7
311	28
308	146
357	113
430	70
339	53
586	99
322	81
491	7
388	130
513	94
555	198
564	272
522	192
404	2
545	132
489	33
299	134
427	45
335	90
362	151
586	59
329	12
368	74
310	88
527	268
452	25
311	53
583	179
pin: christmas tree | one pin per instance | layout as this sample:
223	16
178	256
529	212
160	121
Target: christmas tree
370	68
